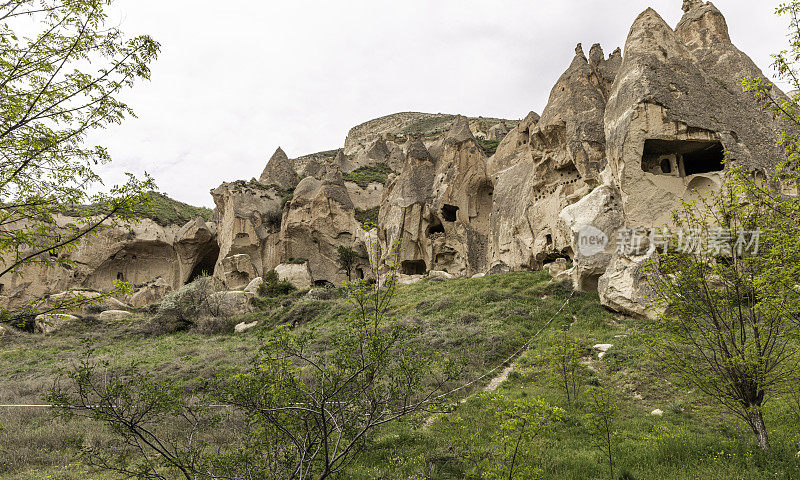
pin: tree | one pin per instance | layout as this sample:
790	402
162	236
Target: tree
565	357
57	85
306	406
723	329
500	444
347	259
600	419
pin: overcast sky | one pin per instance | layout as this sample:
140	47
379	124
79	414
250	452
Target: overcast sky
237	79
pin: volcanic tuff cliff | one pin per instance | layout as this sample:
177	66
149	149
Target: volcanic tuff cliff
623	139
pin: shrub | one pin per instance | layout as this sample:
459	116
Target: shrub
24	321
363	176
210	325
180	310
271	286
96	308
489	147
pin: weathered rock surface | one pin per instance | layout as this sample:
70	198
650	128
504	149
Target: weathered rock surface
51	323
111	315
623	286
244	326
296	274
280	171
232	304
138	254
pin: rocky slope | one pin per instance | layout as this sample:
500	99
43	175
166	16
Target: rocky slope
622	141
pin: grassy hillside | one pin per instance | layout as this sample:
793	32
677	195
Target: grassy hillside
480	322
165	211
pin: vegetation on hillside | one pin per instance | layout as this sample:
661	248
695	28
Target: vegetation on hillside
368	217
166	211
159	208
476	322
488	146
363	176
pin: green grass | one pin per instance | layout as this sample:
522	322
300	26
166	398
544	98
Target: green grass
363	176
480	322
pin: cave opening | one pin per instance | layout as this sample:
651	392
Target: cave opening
323	284
205	265
413	267
682	158
435	227
449	212
706	160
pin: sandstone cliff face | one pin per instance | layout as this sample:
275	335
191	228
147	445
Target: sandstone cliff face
319	219
439	209
622	141
142	254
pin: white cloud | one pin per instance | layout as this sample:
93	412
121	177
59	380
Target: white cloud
235	82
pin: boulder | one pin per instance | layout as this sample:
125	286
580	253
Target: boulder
151	293
296	274
623	287
52	322
657	412
252	287
231	304
244	326
558	267
111	315
440	275
593	224
498	269
409	279
602	348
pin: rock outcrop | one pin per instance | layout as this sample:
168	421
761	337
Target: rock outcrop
144	254
622	141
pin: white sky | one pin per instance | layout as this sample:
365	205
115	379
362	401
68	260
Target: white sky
237	79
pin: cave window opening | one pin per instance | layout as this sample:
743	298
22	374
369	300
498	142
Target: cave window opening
436	228
449	213
120	277
682	158
666	165
205	265
323	284
2	287
360	273
413	267
709	159
549	239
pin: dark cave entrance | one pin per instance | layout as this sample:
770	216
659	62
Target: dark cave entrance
413	267
435	227
449	212
206	264
682	158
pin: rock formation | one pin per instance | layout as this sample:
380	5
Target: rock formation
622	141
